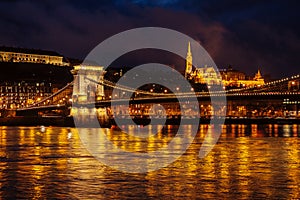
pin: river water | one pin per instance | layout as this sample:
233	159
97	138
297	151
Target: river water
248	162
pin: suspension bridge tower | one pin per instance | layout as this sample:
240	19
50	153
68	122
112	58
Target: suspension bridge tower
87	88
86	79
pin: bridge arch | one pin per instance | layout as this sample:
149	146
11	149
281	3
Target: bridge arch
85	90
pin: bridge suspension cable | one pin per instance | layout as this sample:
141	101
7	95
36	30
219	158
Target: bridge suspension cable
278	86
53	95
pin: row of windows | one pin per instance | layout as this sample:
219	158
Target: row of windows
25	94
24	84
32	58
24	89
29	59
7	55
13	101
17	93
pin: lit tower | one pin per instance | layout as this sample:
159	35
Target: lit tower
259	80
258	75
189	61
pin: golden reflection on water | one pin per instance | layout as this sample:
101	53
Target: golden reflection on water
248	162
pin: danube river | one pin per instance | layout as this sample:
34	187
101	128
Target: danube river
248	162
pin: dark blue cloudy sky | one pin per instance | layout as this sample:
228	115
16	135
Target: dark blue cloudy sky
246	34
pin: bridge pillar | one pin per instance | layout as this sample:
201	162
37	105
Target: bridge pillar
90	116
86	87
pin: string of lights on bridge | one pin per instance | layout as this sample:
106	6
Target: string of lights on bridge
247	91
232	92
269	84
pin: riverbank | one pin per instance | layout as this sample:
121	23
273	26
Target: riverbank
36	121
69	121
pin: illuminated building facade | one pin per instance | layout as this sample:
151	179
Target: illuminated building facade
11	54
208	75
235	78
204	75
22	94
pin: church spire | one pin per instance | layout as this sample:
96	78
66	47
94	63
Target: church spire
189	53
258	75
189	61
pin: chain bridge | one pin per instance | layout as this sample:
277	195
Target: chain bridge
278	98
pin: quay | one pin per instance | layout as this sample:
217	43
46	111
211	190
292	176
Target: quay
69	121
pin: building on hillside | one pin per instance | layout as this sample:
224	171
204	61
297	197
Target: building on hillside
229	77
235	78
203	75
12	54
206	75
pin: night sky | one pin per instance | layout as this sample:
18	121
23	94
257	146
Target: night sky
246	34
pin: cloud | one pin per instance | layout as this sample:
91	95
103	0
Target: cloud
248	35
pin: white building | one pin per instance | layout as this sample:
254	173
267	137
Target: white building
11	54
